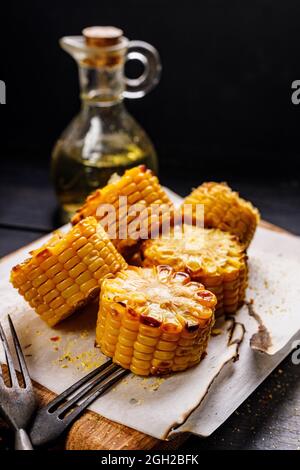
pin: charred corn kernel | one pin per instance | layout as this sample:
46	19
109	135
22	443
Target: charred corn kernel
141	187
146	313
225	209
210	256
58	279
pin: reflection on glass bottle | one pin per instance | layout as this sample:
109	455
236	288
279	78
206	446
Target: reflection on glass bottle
103	138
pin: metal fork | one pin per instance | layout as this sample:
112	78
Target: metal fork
53	419
17	403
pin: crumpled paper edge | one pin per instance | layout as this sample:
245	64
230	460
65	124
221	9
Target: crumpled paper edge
236	333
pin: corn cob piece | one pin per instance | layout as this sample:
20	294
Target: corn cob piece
210	256
154	321
67	272
142	188
224	209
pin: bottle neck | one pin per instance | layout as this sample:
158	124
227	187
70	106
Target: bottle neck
101	86
108	111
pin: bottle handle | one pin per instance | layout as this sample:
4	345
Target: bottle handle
149	57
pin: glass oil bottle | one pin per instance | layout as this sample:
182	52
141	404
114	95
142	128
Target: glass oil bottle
103	138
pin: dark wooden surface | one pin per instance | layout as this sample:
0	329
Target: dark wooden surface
270	418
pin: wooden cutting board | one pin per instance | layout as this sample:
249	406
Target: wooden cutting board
93	432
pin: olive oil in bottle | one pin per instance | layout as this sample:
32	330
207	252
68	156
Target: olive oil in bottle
103	138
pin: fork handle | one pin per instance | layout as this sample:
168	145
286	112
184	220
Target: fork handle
22	441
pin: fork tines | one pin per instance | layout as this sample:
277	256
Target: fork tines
9	360
54	418
17	399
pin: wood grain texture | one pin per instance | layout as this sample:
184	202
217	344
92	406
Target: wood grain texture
94	432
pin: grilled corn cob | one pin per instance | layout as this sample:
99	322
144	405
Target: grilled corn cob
66	272
141	188
224	209
154	321
210	256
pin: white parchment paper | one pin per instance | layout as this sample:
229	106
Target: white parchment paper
161	407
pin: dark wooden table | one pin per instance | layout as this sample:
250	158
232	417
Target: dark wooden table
270	418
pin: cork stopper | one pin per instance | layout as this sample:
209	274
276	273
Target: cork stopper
102	36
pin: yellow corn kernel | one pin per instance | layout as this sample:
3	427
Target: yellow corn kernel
65	284
127	342
77	244
166	346
224	209
66	255
57	279
39	280
30	294
141	364
146	341
164	355
55	269
209	256
71	263
140	187
60	277
70	291
25	287
84	277
95	265
145	315
35	273
77	270
142	348
89	285
144	356
85	250
128	351
138	371
75	299
119	358
130	335
102	272
57	302
46	287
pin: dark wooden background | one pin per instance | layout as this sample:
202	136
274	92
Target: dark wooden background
222	111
